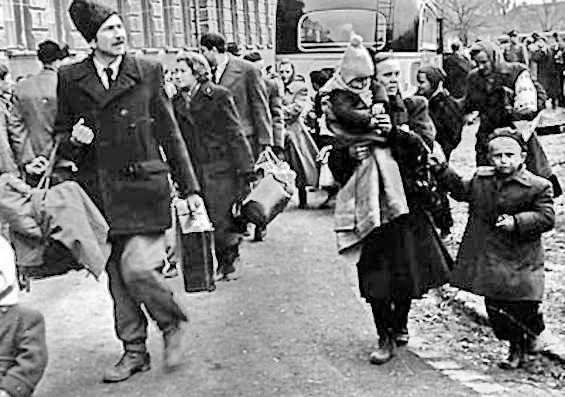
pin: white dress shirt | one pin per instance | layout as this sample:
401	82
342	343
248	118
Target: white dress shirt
220	69
100	69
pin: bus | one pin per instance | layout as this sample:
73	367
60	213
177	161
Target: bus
313	34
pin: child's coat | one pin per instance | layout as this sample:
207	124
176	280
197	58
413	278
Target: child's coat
492	262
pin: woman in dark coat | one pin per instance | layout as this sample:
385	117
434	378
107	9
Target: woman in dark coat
404	258
222	156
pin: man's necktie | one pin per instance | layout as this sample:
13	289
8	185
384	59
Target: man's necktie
109	73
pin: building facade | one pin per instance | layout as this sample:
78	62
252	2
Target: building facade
154	26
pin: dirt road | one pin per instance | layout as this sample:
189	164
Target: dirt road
292	325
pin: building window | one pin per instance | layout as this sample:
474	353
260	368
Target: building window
8	33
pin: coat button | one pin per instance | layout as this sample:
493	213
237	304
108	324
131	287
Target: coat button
44	100
132	125
124	112
4	310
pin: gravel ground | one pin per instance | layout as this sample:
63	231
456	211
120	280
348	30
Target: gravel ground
447	329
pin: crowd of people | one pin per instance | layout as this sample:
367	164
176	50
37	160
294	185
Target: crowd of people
122	126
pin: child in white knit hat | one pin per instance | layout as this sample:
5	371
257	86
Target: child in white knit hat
22	334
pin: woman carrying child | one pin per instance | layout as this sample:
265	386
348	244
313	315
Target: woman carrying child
379	146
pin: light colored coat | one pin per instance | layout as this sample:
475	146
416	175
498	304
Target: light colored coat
30	125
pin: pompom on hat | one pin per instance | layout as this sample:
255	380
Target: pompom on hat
356	61
88	16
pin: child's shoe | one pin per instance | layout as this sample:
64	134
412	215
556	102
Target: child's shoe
516	357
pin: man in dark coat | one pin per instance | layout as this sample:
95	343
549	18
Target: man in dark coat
113	116
274	94
246	84
30	125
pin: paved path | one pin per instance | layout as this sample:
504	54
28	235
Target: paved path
292	325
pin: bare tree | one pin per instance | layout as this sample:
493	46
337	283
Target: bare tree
547	15
463	17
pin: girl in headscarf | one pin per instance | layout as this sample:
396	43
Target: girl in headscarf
506	95
447	114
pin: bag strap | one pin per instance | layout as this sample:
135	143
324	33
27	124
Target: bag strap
45	180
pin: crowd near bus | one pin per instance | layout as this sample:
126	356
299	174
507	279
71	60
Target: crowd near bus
362	110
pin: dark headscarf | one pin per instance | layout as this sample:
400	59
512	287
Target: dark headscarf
434	74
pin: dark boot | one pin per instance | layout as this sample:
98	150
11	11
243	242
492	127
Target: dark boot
382	314
386	350
400	322
260	233
302	198
516	356
534	345
129	364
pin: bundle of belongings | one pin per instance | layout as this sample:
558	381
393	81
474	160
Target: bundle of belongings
53	230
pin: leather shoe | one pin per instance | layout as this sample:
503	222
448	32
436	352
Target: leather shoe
129	364
260	233
175	345
516	357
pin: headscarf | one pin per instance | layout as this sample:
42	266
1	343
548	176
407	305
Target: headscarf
434	74
494	53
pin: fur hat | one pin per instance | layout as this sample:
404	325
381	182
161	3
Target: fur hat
88	16
356	61
8	280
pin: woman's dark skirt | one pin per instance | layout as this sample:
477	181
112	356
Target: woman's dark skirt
403	259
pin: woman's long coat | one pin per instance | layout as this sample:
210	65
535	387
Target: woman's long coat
222	156
300	148
404	258
492	262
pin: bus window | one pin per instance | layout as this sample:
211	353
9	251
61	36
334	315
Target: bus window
331	29
429	30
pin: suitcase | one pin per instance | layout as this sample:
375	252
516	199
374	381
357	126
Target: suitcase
195	236
198	261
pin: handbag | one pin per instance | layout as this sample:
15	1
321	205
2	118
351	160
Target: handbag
272	193
196	246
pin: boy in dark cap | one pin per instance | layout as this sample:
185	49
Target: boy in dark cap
114	116
31	121
501	254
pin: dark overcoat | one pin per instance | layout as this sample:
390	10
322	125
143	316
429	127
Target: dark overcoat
248	88
222	156
23	350
122	169
493	262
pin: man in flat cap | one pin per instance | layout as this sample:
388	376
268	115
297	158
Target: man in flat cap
114	115
30	125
